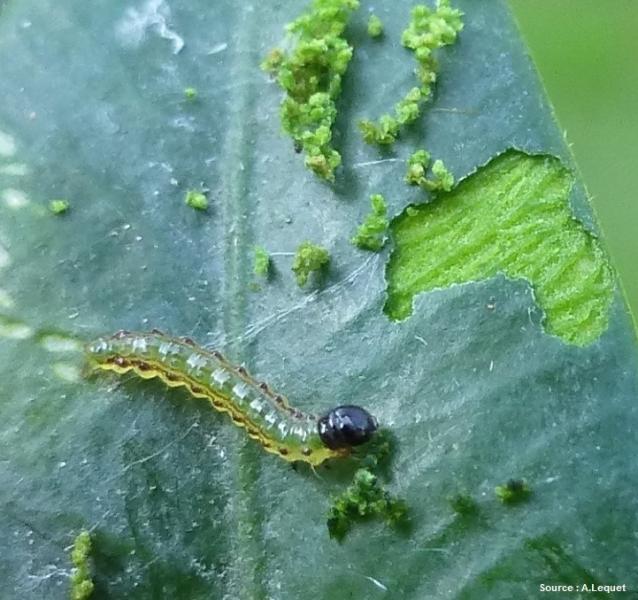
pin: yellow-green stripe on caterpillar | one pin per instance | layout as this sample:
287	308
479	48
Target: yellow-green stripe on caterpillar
265	415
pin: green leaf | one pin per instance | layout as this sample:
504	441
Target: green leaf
474	386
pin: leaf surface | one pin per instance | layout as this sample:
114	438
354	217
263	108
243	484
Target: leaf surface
179	502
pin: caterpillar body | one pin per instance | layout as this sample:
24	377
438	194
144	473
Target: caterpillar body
265	415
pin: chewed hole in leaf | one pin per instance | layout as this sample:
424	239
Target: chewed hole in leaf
513	217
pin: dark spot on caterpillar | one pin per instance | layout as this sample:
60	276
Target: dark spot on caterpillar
242	371
306	451
218	355
346	426
279	399
283	451
142	366
188	341
157	332
196	389
263	386
120	334
171	376
120	362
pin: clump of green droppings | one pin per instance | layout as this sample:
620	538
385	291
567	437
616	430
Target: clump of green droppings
261	262
273	61
309	258
310	75
376	454
196	199
383	133
375	27
408	109
440	179
513	492
464	505
364	499
190	93
427	31
371	234
59	207
81	582
417	166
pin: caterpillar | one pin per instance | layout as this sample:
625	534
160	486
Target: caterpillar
265	415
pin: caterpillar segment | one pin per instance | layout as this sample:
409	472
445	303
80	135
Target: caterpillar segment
266	415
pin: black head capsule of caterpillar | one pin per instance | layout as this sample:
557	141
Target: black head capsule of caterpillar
346	426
